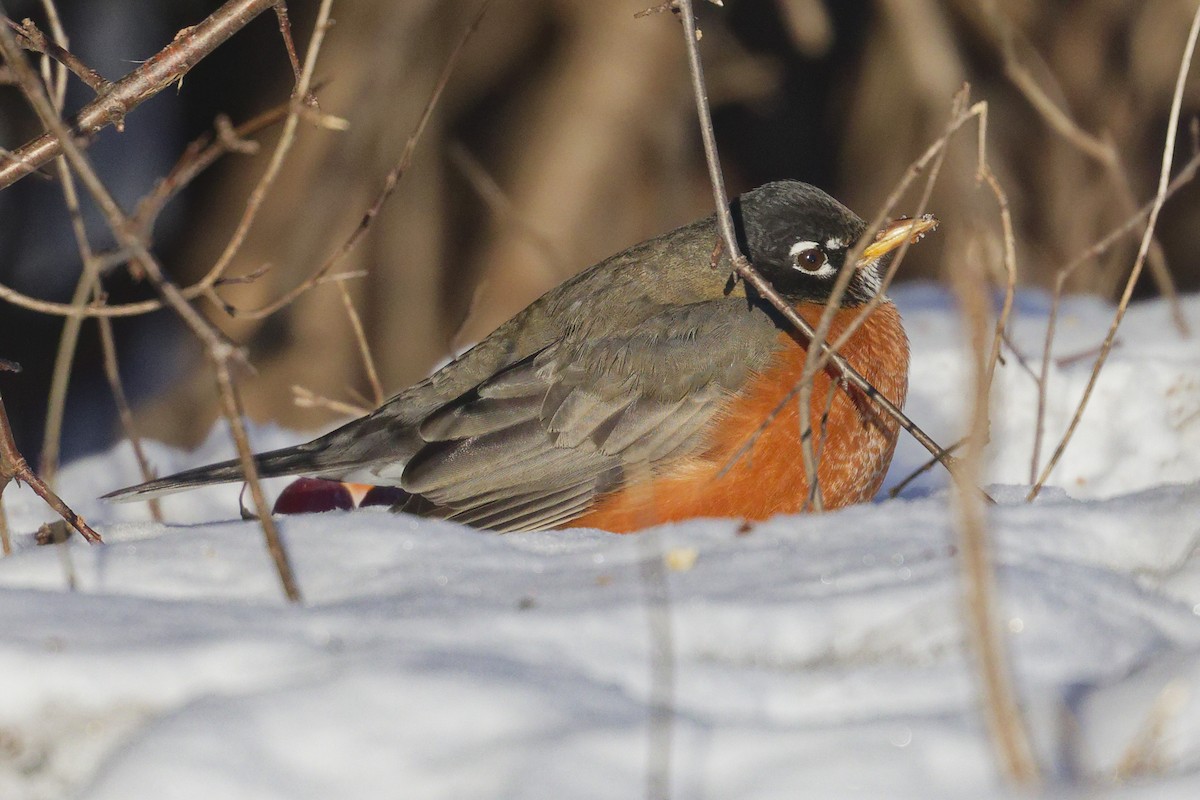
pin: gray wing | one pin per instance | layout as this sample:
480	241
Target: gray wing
533	445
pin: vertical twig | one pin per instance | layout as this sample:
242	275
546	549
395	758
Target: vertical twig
1143	249
232	406
112	373
390	181
88	280
1009	733
287	137
285	31
814	360
1103	151
364	348
5	539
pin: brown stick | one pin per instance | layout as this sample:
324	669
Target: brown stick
813	362
285	30
117	219
1010	736
88	282
13	467
231	404
364	347
31	38
5	538
219	350
287	137
152	76
112	373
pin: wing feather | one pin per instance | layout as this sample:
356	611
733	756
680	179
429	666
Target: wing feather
534	445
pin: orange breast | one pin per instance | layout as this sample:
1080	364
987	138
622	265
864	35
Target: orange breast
752	466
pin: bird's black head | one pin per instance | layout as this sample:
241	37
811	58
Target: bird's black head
798	238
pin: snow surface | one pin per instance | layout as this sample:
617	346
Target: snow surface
814	656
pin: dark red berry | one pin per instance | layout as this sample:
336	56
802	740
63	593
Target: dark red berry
312	496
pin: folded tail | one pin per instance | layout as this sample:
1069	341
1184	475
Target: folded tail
297	460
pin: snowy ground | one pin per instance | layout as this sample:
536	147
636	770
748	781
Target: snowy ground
814	656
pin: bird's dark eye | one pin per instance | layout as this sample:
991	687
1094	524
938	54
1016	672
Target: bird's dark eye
810	259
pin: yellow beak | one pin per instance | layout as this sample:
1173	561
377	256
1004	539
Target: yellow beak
895	234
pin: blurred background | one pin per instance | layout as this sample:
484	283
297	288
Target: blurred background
567	134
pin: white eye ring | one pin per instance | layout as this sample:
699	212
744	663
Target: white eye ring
810	258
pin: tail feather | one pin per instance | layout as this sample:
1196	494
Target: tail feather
274	464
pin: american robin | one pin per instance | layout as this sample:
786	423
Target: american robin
648	388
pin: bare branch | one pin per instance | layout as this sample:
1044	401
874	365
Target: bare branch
112	373
158	72
13	467
364	347
29	37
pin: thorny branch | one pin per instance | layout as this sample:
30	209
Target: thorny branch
31	38
14	468
150	77
219	350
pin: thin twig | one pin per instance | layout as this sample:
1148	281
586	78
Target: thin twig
88	282
218	349
232	405
915	170
364	347
1143	756
1147	237
921	470
285	30
502	207
198	156
663	669
306	398
160	71
813	362
31	38
116	218
287	137
14	467
112	373
1009	732
5	538
59	81
1022	361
